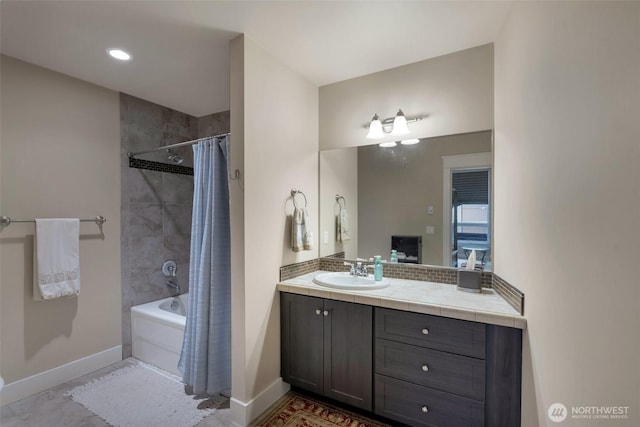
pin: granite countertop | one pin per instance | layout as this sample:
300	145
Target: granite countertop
439	299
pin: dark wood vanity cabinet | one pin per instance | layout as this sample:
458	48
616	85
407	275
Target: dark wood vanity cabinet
417	369
436	371
327	348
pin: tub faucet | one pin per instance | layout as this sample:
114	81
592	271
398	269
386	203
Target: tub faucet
173	286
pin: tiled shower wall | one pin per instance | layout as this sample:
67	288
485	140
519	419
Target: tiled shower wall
156	206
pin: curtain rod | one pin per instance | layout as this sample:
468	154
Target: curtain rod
179	144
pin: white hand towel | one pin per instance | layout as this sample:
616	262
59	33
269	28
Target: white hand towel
301	234
343	225
57	263
307	237
296	230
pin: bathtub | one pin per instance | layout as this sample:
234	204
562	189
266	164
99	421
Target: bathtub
157	329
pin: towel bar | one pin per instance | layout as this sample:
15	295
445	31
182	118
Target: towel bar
6	220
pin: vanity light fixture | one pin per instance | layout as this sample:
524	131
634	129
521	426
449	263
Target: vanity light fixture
119	54
396	126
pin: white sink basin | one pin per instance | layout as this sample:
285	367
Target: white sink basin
344	280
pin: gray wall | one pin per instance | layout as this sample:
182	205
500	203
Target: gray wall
454	94
156	206
60	158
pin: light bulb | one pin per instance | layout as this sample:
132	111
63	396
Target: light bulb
387	144
375	128
400	125
409	141
119	54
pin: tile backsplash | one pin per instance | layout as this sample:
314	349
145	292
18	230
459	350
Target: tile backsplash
298	269
407	271
430	273
510	293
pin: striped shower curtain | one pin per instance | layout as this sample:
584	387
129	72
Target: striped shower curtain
205	361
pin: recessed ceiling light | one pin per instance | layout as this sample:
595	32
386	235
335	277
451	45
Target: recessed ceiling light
387	144
119	54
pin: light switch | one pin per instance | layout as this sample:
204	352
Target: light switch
430	210
325	237
431	229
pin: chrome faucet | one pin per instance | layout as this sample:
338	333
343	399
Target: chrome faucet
358	269
173	286
352	268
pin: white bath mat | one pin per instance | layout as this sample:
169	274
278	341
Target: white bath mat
141	395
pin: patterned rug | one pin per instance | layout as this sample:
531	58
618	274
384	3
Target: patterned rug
296	410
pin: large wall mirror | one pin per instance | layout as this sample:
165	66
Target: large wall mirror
430	201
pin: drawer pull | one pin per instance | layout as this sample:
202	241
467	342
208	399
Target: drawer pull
326	313
425	409
425	368
318	312
425	331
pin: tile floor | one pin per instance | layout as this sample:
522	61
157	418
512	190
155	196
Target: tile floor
52	408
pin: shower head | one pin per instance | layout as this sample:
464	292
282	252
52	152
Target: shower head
175	158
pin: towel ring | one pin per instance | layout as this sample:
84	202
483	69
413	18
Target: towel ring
294	192
338	198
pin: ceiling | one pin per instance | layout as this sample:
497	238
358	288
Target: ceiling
180	49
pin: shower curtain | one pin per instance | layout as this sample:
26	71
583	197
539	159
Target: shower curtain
205	361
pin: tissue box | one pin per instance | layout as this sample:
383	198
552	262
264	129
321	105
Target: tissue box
469	280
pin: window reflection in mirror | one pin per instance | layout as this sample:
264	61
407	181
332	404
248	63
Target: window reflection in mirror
470	217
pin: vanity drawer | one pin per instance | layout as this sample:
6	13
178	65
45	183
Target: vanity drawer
439	333
431	368
422	406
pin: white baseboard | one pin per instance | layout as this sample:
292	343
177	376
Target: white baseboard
25	387
243	413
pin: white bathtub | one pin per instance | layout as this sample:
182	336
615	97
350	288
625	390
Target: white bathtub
157	331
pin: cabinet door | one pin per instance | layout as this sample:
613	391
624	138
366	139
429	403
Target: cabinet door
348	353
301	341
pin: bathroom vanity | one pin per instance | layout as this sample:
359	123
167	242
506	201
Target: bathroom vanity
326	348
410	353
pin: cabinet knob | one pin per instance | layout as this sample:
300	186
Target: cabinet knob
326	313
425	368
318	311
425	331
425	409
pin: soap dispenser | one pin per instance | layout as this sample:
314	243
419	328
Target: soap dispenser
377	268
394	256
